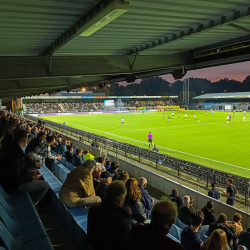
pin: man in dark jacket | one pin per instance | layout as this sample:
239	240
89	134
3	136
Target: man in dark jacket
209	215
13	176
68	155
113	170
214	193
102	186
244	238
184	211
35	142
109	220
77	159
146	200
175	198
222	224
154	235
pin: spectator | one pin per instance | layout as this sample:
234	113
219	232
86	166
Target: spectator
8	131
214	193
133	201
184	211
13	177
107	166
192	203
68	155
113	170
154	235
222	224
231	192
175	198
35	142
102	186
96	174
190	237
94	144
87	156
109	220
216	241
102	160
124	176
209	215
60	148
146	200
77	159
236	223
78	189
155	149
244	238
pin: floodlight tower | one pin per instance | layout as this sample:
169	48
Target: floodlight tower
185	100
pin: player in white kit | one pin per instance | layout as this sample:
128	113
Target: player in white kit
244	117
172	114
179	114
212	113
122	121
195	116
185	117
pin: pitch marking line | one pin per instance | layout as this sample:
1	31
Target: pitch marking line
158	146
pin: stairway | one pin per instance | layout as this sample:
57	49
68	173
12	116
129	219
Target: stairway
63	110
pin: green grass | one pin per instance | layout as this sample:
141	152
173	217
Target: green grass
208	140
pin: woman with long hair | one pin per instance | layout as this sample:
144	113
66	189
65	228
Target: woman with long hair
133	201
216	241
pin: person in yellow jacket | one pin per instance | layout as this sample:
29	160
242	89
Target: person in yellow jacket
87	156
78	189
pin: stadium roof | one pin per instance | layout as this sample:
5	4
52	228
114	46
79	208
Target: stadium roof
58	45
224	95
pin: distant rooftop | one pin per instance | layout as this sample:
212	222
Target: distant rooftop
225	95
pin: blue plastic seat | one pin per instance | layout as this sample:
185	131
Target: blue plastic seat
176	232
11	244
24	231
203	237
179	224
173	238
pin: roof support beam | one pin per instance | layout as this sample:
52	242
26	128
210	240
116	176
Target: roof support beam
226	19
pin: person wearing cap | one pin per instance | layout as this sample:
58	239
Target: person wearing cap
103	185
78	189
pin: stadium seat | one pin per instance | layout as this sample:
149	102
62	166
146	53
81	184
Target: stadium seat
179	224
173	238
176	232
24	231
203	237
11	244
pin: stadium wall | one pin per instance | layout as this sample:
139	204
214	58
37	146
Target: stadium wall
166	185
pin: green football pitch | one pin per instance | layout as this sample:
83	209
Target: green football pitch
206	140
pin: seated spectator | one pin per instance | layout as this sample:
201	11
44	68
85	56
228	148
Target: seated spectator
184	211
155	149
35	142
221	223
61	147
13	177
244	238
217	240
102	185
190	237
214	193
175	198
191	203
209	215
78	189
68	155
154	235
8	131
109	220
236	223
77	158
102	160
113	170
124	176
87	156
146	200
107	166
133	201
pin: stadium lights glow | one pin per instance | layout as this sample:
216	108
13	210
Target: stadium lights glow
104	17
83	89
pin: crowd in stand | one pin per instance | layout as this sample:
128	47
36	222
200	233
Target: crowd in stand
81	106
121	213
138	104
46	107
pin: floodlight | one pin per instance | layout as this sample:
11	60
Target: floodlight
104	17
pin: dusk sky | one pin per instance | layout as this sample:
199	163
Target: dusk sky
237	71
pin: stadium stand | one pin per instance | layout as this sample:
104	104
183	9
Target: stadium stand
147	103
18	213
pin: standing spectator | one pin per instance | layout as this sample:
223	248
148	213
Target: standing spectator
96	174
244	238
113	170
155	149
78	189
236	223
77	159
221	223
146	200
184	211
154	235
94	144
175	198
124	176
214	193
231	192
191	203
216	241
109	220
190	237
68	155
107	166
209	215
133	201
